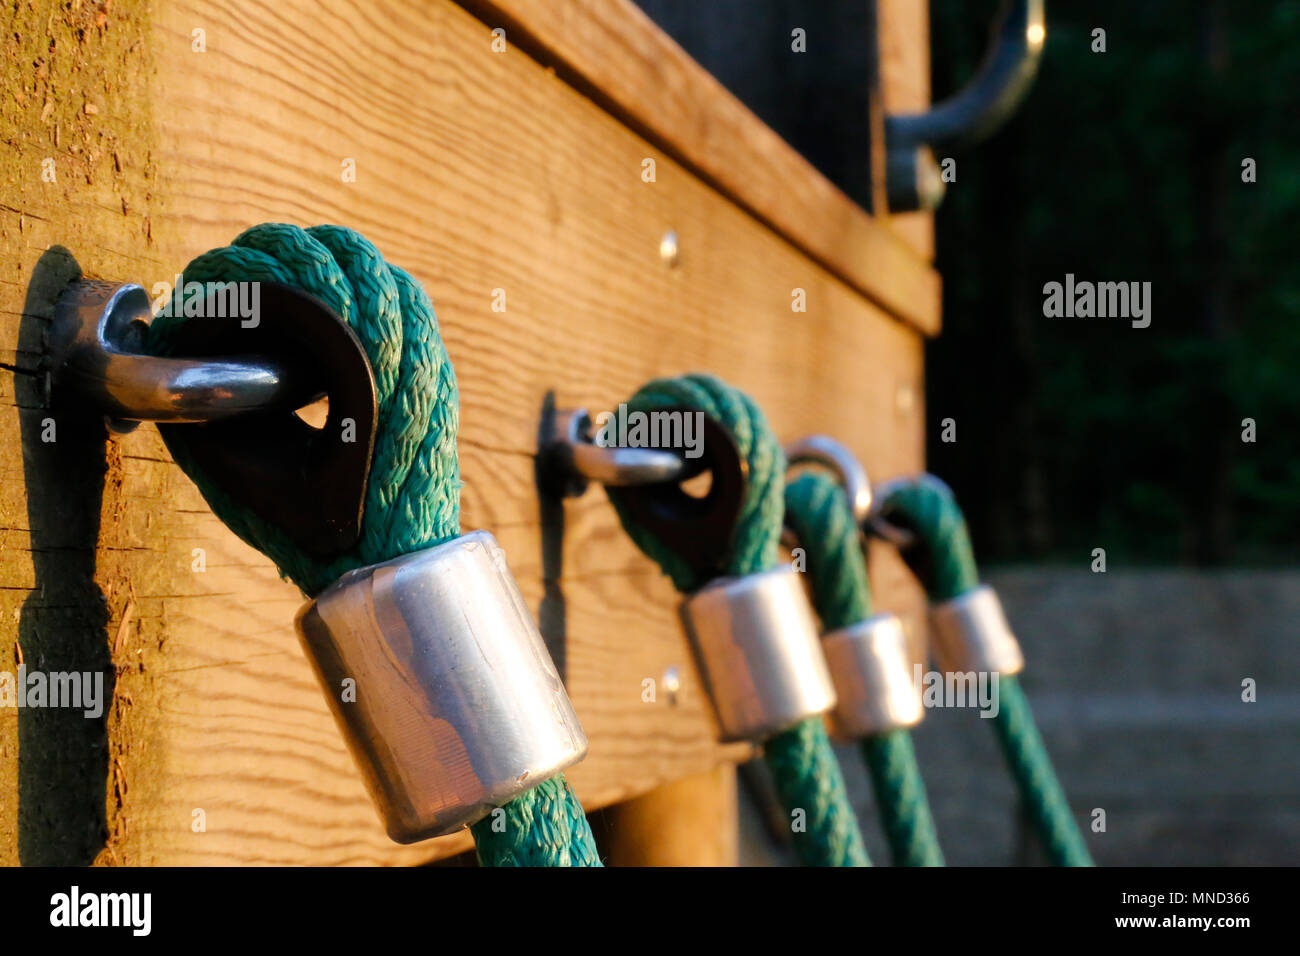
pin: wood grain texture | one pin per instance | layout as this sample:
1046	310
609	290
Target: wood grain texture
903	31
618	55
476	171
693	821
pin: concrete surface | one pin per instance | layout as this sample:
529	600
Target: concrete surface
1136	680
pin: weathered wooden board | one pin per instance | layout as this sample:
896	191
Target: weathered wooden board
693	821
477	171
611	49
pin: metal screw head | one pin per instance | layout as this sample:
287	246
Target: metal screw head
668	250
672	684
905	398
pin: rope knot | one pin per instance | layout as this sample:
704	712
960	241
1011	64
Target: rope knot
758	525
413	495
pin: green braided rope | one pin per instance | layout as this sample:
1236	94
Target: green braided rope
900	792
944	560
818	513
543	827
758	531
802	762
1041	792
413	496
942	557
808	777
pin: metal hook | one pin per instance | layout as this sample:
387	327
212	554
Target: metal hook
569	458
94	357
835	455
699	528
864	503
971	114
234	415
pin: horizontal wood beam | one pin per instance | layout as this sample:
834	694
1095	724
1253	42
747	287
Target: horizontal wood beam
615	53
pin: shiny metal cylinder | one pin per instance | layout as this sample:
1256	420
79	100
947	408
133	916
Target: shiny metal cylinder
970	633
756	642
872	671
441	685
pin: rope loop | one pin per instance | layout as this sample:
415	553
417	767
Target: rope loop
942	557
758	526
804	769
818	512
413	495
944	561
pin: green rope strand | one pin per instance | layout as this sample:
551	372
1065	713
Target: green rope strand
802	762
900	793
942	557
808	777
1040	790
413	496
757	542
543	827
818	514
945	562
817	511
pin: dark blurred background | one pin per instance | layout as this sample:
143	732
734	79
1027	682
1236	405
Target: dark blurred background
1127	165
1076	434
1120	166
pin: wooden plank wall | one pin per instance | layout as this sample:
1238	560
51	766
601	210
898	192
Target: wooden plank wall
477	171
614	52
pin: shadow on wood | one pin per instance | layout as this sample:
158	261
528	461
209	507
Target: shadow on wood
62	750
552	613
